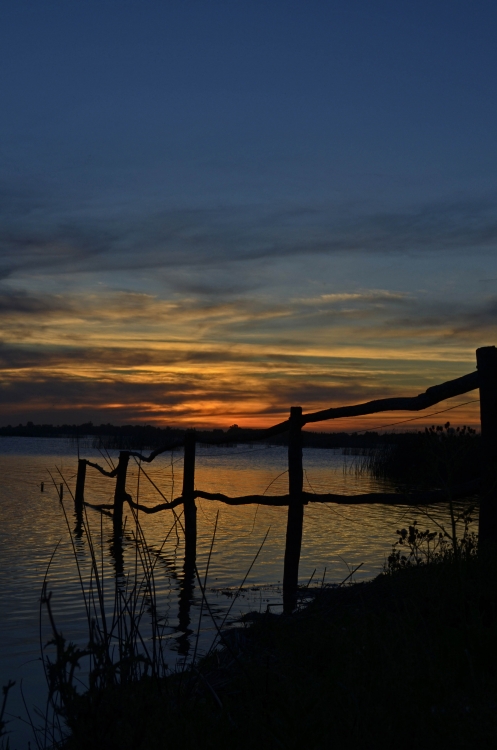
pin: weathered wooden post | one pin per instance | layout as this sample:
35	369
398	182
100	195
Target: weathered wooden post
189	507
295	511
79	495
120	493
486	360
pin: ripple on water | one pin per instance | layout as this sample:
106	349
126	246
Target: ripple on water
32	524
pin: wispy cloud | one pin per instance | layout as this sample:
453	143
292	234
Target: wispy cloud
46	238
225	315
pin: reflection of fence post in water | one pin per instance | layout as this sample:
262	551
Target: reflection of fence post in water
190	525
120	494
79	495
486	359
116	548
295	510
190	509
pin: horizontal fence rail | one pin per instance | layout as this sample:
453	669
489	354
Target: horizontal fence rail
430	397
484	378
369	498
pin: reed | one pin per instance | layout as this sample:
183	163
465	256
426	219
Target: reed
408	656
425	459
124	658
405	658
372	665
125	634
4	740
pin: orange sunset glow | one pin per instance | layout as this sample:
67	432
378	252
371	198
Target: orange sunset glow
128	357
251	215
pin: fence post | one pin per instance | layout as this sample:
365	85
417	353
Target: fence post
486	360
120	493
79	495
295	511
189	507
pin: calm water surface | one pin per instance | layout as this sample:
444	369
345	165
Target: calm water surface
336	540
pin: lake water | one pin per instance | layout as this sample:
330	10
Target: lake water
336	540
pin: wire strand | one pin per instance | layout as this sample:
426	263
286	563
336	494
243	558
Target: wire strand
422	416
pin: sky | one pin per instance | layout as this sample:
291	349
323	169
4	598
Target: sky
213	210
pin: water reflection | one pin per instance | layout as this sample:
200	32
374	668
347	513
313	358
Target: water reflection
78	528
184	611
334	538
116	553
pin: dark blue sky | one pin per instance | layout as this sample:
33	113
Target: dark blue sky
201	102
268	155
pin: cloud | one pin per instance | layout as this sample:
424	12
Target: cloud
124	312
41	237
152	361
201	328
184	396
452	320
208	332
21	303
372	296
165	396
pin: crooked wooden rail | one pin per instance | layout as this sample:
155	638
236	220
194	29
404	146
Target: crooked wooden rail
484	378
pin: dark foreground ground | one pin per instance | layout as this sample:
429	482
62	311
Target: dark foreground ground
406	661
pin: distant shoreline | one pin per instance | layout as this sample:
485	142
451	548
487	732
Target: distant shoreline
128	437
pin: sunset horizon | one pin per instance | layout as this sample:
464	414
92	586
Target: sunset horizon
211	213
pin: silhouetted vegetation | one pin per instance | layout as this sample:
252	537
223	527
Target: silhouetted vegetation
4	743
410	655
438	457
136	437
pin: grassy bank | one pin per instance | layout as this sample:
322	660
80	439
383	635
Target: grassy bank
407	660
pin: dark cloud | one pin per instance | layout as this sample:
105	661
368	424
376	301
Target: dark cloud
57	399
50	238
19	302
322	395
75	384
61	396
18	357
253	233
441	225
192	282
454	319
73	391
474	320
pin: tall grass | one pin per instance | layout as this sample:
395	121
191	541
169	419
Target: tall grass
436	458
125	633
406	659
125	656
4	740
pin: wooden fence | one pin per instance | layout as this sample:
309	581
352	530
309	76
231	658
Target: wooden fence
484	378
